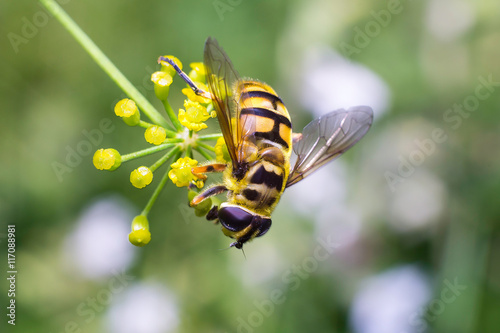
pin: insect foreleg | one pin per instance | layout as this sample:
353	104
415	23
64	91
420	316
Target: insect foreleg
212	213
200	171
209	192
191	84
214	167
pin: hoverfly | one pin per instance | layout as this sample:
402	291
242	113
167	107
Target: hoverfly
257	130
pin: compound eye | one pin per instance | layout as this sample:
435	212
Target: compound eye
234	218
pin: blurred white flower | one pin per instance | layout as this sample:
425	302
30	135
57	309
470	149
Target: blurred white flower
98	246
144	308
341	223
449	19
255	271
324	188
418	202
331	82
413	201
389	302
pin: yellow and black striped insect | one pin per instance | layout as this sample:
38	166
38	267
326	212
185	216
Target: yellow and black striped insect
258	133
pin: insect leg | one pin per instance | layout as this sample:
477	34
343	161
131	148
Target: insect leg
212	213
214	167
273	155
186	78
199	171
209	192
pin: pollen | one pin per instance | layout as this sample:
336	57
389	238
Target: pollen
181	174
141	177
107	159
155	134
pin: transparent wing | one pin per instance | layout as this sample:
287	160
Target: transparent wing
223	82
328	137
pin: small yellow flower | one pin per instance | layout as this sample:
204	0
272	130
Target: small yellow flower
194	115
155	134
199	183
196	98
198	71
181	174
141	177
166	67
140	235
107	159
162	81
161	78
127	109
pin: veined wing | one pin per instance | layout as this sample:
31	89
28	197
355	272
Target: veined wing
223	81
328	137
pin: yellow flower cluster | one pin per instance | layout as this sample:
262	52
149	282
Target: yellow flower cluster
181	140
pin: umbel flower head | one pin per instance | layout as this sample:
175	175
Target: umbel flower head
175	138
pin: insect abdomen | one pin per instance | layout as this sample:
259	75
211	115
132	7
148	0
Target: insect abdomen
270	116
267	127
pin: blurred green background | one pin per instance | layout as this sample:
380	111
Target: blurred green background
399	235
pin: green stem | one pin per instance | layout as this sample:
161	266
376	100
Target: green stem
165	158
204	153
209	137
173	117
149	151
158	190
189	151
144	124
207	147
103	61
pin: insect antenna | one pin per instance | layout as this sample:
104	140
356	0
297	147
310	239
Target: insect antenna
186	78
